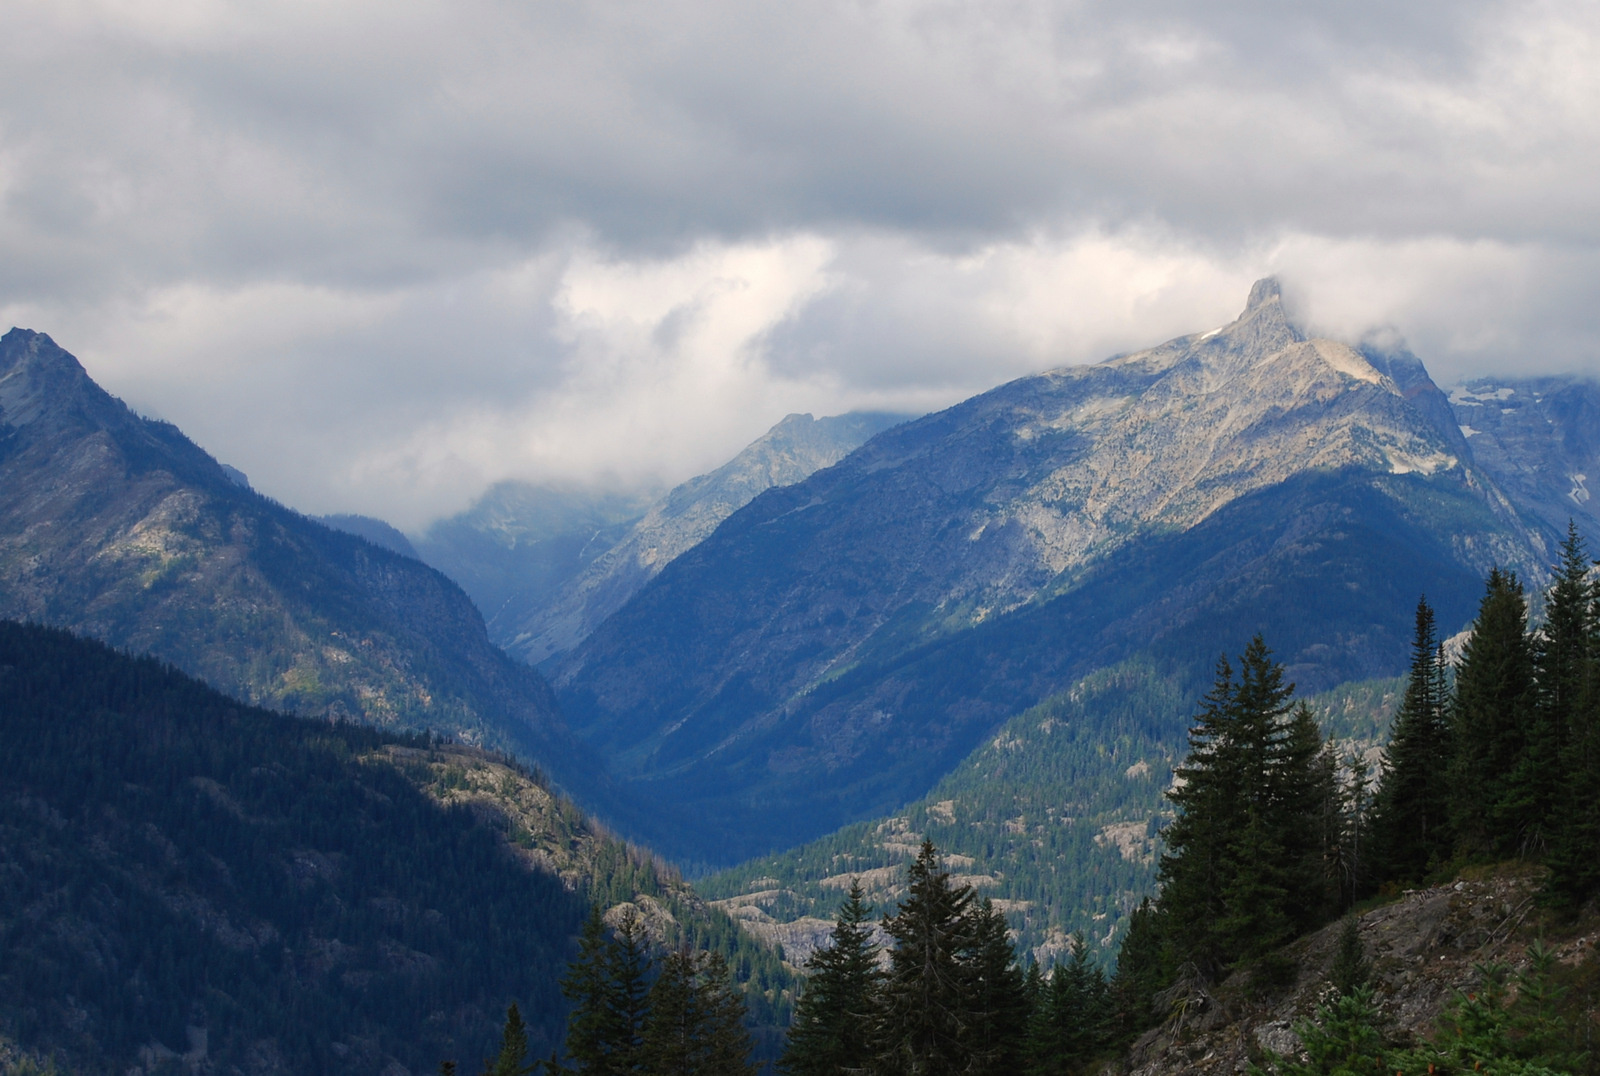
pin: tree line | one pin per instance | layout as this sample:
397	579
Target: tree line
1495	757
637	1012
1275	834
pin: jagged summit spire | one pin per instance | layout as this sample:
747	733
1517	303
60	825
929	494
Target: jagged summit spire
1262	292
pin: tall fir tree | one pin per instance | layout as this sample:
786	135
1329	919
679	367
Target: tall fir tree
925	1013
832	1031
609	986
695	1025
998	1025
1494	701
1241	873
1305	801
513	1057
1410	819
1354	855
1575	830
1073	1021
1195	868
1144	966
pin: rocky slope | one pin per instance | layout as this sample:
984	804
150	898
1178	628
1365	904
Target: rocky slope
122	529
836	646
1539	439
541	622
1425	948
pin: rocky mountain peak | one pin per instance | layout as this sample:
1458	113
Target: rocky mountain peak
38	376
1263	328
1264	291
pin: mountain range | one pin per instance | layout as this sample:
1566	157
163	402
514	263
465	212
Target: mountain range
838	645
988	625
120	528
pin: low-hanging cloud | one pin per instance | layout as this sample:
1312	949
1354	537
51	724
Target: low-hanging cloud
381	255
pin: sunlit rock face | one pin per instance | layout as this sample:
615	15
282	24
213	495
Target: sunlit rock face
837	644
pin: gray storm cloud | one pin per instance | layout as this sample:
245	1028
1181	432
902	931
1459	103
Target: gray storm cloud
379	255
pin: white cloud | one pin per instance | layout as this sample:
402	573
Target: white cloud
379	255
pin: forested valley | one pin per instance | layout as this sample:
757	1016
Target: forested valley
204	883
1277	834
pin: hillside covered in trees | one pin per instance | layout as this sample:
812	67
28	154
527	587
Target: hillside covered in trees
1274	837
187	881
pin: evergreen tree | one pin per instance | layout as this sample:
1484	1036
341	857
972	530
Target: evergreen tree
832	1032
1350	969
998	1025
1569	711
1195	866
1305	800
1563	659
1344	1039
1499	1032
1353	853
1410	817
513	1057
1144	966
1242	871
695	1025
1033	985
608	984
1494	700
925	1013
1076	1014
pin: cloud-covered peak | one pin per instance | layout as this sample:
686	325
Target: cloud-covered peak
383	255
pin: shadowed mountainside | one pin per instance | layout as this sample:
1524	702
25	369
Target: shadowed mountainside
120	528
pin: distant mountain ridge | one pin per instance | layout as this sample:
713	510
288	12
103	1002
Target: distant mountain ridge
122	529
838	644
373	530
520	543
791	451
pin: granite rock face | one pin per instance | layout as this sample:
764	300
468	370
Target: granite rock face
836	645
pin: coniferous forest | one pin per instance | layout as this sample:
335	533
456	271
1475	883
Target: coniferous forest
192	881
1493	758
342	887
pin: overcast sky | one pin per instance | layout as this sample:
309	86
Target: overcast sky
379	255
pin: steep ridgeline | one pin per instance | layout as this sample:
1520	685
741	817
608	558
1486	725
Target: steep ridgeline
373	530
838	645
187	883
122	529
539	626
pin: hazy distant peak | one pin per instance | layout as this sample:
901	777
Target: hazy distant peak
377	531
791	451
